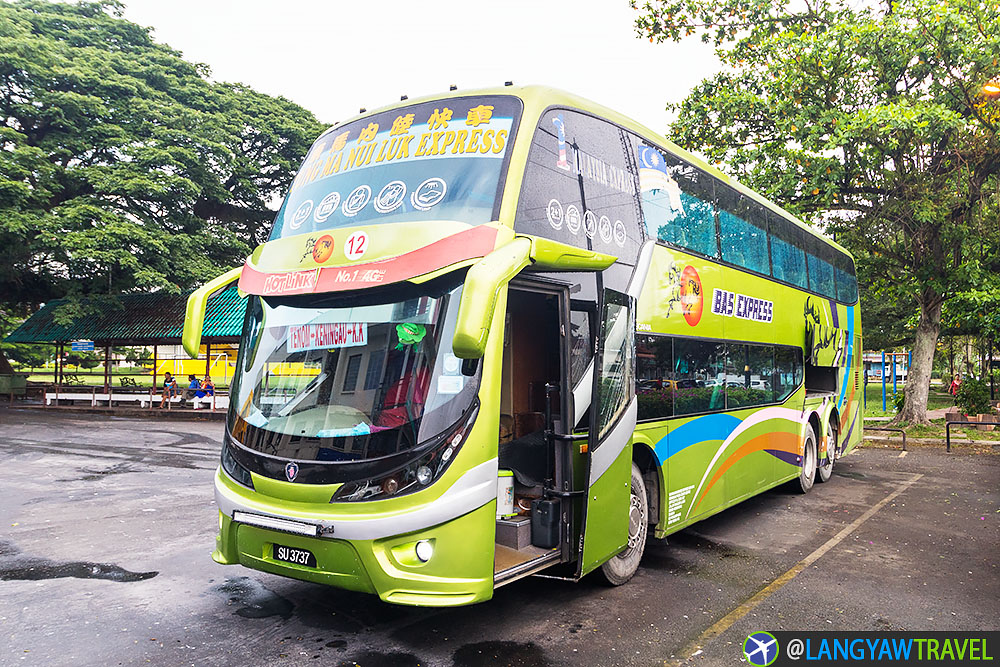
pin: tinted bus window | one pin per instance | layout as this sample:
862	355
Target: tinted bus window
580	186
847	283
788	259
787	372
699	376
581	347
749	370
653	387
742	231
678	201
821	278
615	380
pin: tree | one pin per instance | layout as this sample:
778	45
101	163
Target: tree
867	119
122	166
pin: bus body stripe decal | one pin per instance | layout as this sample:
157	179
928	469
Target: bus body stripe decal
772	443
850	356
756	418
708	427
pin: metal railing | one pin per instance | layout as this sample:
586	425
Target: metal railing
948	425
886	428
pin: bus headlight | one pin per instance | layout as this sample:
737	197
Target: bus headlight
416	474
237	472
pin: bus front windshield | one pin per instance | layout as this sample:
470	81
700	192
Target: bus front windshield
349	380
440	160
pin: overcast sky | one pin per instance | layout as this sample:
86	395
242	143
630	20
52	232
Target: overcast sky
334	57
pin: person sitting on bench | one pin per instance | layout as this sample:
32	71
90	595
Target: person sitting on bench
170	388
207	388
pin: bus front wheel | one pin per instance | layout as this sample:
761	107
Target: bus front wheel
808	475
622	567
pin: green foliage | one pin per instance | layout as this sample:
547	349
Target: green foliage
138	355
85	360
973	397
870	120
123	166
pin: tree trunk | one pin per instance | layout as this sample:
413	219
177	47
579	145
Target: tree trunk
918	379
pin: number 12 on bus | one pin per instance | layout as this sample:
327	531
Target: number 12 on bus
508	331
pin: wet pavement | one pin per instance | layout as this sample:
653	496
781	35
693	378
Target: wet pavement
106	526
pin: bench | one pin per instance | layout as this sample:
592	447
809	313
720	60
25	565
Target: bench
221	402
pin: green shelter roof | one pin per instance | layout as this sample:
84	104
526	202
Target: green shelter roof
136	319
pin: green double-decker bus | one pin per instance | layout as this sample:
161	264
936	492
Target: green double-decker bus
507	331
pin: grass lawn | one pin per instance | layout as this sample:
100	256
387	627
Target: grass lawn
937	398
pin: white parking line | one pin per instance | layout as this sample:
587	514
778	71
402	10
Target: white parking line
726	621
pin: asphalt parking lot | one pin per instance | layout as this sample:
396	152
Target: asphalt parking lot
107	525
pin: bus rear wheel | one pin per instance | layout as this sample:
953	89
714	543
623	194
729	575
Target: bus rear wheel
623	567
823	473
808	474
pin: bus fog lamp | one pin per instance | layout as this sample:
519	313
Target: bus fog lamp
424	475
424	550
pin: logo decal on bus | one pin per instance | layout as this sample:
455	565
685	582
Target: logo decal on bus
297	282
291	471
692	296
322	249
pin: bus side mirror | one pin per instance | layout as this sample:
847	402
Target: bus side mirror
194	315
492	273
479	296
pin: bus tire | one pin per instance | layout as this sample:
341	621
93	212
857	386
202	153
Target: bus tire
824	473
808	474
622	567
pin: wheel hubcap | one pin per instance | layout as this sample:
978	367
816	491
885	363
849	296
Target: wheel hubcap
636	521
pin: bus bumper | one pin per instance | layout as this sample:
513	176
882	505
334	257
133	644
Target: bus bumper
459	572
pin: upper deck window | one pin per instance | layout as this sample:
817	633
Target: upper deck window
580	186
439	160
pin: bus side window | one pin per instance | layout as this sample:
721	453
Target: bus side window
847	283
678	202
820	270
581	349
787	372
653	386
699	376
749	371
788	259
742	231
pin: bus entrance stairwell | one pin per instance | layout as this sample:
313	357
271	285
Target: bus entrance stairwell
529	528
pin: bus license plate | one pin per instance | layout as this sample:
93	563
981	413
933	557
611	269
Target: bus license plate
293	555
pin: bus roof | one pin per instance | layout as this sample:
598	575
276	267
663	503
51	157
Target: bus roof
538	98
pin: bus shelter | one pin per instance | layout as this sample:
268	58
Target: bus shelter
132	320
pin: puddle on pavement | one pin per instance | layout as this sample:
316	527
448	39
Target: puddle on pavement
849	474
515	654
255	600
37	569
116	469
24	568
